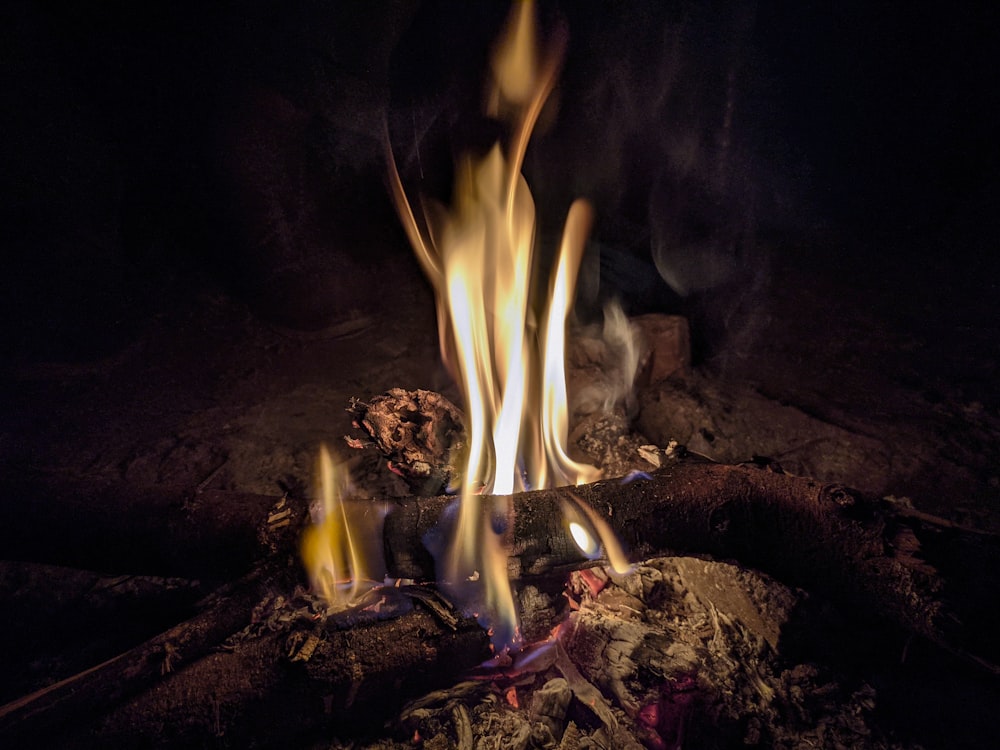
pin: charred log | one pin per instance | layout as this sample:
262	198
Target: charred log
94	690
58	621
880	561
254	646
161	530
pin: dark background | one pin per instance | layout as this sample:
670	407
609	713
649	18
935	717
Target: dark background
241	141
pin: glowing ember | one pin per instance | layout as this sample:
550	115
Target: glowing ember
504	348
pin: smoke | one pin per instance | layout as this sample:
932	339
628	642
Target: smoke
667	124
664	117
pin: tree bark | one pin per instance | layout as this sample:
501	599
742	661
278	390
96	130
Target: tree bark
160	530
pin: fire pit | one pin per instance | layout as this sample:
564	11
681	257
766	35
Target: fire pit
607	541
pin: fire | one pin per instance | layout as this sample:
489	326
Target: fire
505	348
340	547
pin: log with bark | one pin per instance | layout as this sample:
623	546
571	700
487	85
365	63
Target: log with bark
881	561
160	530
259	641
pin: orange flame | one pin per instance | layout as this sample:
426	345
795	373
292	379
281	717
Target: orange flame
505	350
341	546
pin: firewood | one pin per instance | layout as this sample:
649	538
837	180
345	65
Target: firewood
203	678
878	560
344	676
58	620
104	685
116	527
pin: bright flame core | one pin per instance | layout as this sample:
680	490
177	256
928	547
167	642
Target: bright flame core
505	350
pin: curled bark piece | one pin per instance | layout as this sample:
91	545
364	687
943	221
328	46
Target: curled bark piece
419	432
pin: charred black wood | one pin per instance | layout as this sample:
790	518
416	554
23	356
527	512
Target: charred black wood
117	527
255	646
878	560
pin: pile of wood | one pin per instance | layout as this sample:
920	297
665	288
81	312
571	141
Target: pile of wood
683	644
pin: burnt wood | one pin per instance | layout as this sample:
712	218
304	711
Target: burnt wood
247	648
114	526
879	560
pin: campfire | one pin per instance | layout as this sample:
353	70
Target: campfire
552	578
504	346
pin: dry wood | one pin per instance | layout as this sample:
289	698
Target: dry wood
118	527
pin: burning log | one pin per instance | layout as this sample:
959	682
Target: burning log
345	676
249	646
881	561
252	644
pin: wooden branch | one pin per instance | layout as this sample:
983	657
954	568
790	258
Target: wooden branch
344	678
118	527
202	679
879	561
918	572
97	689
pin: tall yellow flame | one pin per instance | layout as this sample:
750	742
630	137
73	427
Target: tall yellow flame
339	548
505	350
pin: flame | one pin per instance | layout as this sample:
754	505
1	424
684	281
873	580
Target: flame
340	548
505	349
